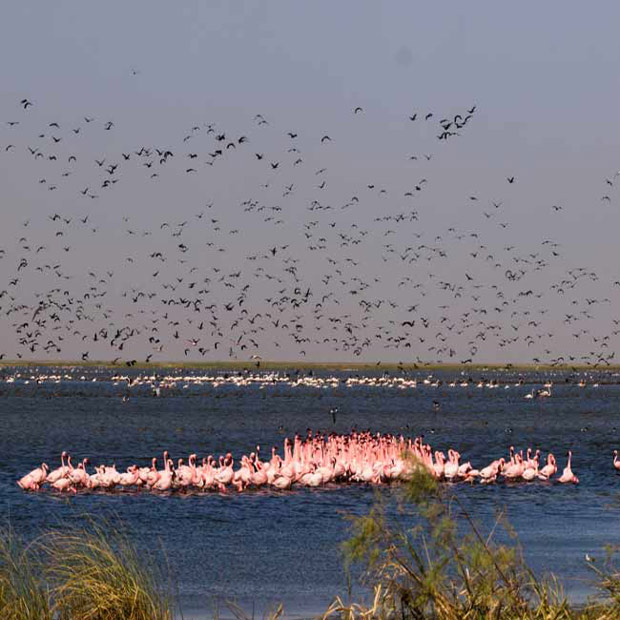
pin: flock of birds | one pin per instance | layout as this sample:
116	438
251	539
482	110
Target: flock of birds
161	384
294	257
303	265
316	460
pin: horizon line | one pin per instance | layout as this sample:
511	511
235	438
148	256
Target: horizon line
341	365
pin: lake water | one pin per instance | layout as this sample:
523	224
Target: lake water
265	547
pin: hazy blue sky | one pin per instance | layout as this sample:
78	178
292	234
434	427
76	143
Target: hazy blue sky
546	82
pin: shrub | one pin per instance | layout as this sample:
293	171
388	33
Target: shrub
442	567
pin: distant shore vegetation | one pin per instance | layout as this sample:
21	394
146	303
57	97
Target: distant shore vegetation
266	365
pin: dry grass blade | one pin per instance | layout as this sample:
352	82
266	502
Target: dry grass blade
238	612
355	610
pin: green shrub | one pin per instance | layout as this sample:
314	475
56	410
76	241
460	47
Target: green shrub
436	570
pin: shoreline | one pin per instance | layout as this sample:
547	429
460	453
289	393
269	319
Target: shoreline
305	365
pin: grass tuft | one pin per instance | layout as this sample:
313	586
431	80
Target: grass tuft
96	573
23	595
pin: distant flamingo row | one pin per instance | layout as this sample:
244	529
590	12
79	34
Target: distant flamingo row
358	457
160	383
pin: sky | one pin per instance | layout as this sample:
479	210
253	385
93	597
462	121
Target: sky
544	82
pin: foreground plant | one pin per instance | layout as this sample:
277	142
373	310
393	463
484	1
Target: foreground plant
23	595
434	569
97	573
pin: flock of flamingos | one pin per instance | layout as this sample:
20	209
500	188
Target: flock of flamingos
358	457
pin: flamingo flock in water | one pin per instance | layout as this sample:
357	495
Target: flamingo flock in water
317	460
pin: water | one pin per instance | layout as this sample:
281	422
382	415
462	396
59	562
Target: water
261	548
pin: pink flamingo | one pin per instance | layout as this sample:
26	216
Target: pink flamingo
312	461
438	467
164	483
79	476
131	477
63	484
567	474
152	475
94	481
160	472
451	468
282	482
515	469
143	473
185	473
111	476
208	473
33	480
260	476
60	472
244	473
616	460
549	469
225	473
529	474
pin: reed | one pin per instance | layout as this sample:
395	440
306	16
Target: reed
23	594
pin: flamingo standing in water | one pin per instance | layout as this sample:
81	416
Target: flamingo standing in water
451	467
64	484
131	477
152	475
439	467
313	461
78	475
94	481
516	468
208	473
489	473
33	480
166	477
259	474
143	474
282	482
567	474
225	473
549	469
531	467
616	460
60	472
111	477
184	473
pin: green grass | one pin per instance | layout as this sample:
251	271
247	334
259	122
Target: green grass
92	572
96	572
23	593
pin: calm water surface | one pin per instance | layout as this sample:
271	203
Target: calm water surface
263	547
